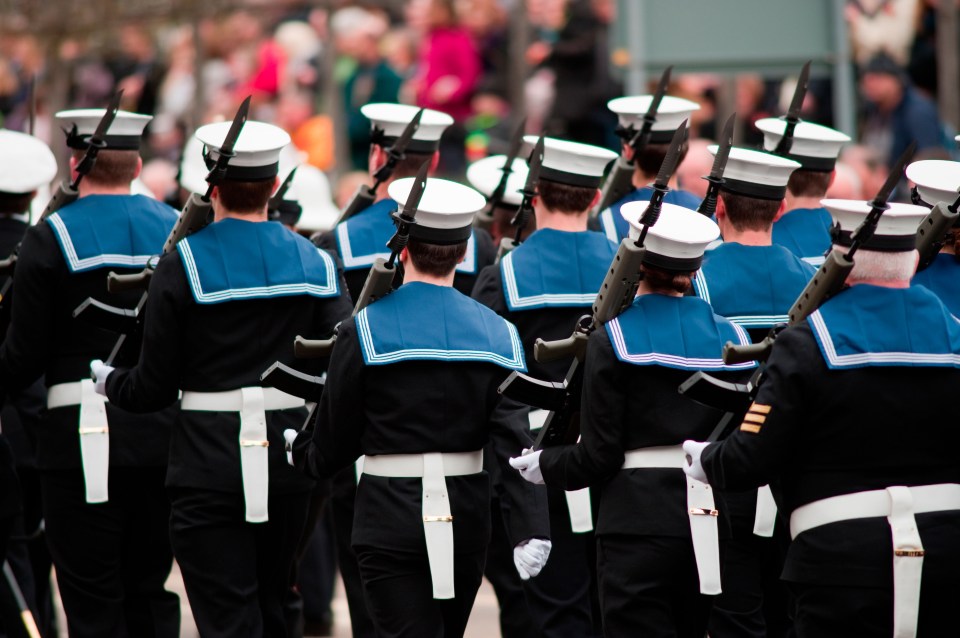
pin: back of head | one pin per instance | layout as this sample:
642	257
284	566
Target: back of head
749	213
565	198
436	260
113	168
806	183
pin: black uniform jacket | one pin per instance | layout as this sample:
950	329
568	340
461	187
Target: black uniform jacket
216	347
420	406
832	432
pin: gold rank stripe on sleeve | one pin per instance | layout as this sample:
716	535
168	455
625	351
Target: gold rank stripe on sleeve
755	417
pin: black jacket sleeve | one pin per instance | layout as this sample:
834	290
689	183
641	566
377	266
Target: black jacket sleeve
488	290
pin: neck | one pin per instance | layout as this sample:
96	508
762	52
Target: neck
882	283
220	214
793	203
748	237
411	274
91	188
641	179
569	222
645	289
382	193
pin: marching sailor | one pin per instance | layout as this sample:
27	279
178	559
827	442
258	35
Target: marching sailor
630	111
485	175
101	468
939	181
804	229
657	533
873	506
224	305
543	287
412	385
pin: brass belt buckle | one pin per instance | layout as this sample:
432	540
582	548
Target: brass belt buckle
699	511
438	519
252	443
909	553
98	430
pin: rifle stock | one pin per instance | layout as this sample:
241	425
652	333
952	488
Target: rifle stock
619	184
573	346
932	231
65	194
506	245
362	200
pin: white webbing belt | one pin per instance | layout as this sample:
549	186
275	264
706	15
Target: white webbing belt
701	511
252	404
898	504
432	468
766	515
578	501
93	430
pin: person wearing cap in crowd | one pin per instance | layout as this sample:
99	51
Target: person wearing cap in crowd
939	181
630	111
804	229
225	305
358	242
102	469
413	386
543	287
753	283
26	166
306	207
657	534
873	509
485	175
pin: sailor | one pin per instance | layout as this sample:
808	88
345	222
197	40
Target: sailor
753	284
485	175
223	306
27	166
849	421
630	111
101	468
657	533
804	229
939	181
412	385
543	287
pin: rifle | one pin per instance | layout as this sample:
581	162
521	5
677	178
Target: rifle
67	192
195	216
276	201
735	399
933	231
529	191
619	182
367	195
709	204
793	113
496	197
379	283
616	293
27	622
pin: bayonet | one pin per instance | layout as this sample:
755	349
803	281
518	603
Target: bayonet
516	142
709	204
277	200
793	113
522	216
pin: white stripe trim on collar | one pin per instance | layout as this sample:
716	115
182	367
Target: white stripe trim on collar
536	301
692	363
608	225
88	263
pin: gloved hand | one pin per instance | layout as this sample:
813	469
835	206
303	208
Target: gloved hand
692	467
289	435
100	372
530	556
529	466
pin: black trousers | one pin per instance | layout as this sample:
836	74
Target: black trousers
344	494
825	611
562	598
515	620
649	587
399	593
236	573
112	559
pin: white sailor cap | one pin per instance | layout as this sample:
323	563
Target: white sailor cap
26	163
389	121
256	153
937	180
815	147
677	240
896	231
307	204
485	175
193	170
572	163
756	174
446	211
671	113
123	135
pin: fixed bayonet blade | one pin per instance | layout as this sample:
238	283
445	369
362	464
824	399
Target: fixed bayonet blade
109	115
672	158
400	146
661	91
896	173
536	162
410	206
516	142
799	94
233	134
282	191
723	151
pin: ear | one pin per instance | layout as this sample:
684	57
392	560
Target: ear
780	210
376	159
215	193
833	177
139	167
434	162
595	200
721	210
627	151
404	256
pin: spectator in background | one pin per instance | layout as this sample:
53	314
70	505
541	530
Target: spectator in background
357	34
447	74
896	113
695	166
138	70
868	166
846	184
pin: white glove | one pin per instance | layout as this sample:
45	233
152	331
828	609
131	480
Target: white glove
289	435
100	372
530	556
692	467
529	465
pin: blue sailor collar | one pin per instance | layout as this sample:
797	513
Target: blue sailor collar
424	322
805	232
867	326
675	332
752	286
554	268
942	278
615	227
123	231
363	238
235	260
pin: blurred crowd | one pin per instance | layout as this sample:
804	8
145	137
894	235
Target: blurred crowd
310	67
